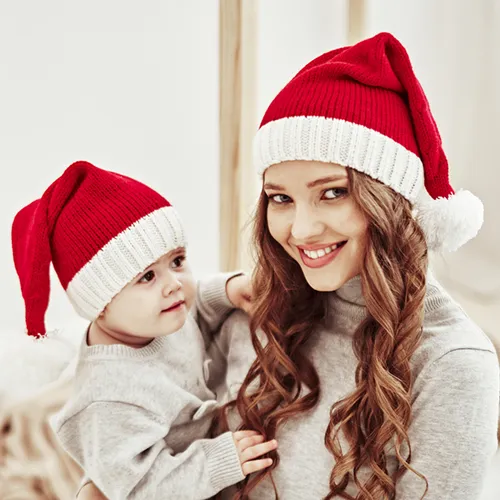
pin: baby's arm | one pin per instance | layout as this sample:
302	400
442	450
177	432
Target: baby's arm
121	448
89	490
217	296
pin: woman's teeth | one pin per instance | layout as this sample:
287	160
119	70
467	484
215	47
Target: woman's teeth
316	254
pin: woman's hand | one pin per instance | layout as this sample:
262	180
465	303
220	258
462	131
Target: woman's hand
251	446
90	492
239	292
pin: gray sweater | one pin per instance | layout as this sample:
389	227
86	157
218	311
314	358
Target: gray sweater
138	420
455	401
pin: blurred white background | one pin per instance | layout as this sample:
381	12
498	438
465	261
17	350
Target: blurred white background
130	86
134	87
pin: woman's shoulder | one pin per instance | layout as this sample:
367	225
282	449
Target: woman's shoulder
447	328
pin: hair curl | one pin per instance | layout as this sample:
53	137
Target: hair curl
378	413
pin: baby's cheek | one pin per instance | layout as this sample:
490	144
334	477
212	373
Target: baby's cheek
189	288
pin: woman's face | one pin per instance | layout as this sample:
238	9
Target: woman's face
311	215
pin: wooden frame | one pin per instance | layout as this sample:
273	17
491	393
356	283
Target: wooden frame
237	121
356	21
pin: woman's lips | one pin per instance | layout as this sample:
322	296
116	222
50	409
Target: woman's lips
322	256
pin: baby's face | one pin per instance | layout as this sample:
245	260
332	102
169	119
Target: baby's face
155	303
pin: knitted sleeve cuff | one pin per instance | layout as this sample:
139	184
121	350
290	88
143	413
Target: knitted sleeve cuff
223	462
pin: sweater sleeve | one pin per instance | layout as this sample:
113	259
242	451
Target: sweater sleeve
453	435
121	448
212	304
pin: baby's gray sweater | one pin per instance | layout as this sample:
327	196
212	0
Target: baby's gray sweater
138	420
455	401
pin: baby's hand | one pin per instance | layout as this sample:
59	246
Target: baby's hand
239	292
250	445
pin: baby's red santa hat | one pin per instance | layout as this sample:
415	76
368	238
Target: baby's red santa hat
99	229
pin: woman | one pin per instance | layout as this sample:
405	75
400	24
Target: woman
384	389
372	379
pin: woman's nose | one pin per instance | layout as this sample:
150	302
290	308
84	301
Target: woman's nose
306	225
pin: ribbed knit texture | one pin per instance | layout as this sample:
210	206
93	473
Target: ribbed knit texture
455	401
99	227
222	461
123	258
371	85
344	143
138	420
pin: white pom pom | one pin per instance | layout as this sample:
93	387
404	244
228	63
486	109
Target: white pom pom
27	364
448	223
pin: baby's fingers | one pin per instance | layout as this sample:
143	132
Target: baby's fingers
239	435
249	441
247	305
257	450
256	465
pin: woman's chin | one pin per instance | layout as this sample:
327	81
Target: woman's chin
323	281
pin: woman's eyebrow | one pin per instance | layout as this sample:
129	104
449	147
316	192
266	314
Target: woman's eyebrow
316	182
325	180
276	187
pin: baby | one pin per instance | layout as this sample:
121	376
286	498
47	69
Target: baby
141	408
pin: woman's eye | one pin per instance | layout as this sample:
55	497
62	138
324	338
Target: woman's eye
280	198
332	193
178	261
149	276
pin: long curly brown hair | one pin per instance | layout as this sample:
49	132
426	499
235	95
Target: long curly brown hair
286	310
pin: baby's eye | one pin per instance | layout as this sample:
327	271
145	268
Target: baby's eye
178	261
149	276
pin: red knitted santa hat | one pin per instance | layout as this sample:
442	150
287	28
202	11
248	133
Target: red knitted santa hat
99	229
363	107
